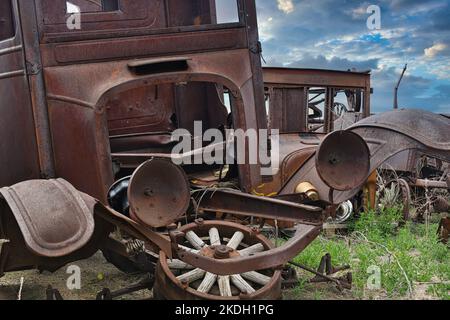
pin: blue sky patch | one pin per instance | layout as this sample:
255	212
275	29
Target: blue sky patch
328	34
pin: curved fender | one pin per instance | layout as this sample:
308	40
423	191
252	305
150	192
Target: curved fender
52	216
386	135
48	224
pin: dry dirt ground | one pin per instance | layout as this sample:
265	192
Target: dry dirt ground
96	274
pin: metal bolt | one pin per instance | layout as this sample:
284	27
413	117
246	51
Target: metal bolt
199	221
222	252
148	192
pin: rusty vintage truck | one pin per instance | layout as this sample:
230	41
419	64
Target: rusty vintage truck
90	94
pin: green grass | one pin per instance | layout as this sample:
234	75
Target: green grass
377	240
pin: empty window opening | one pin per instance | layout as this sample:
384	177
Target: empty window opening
227	11
202	12
7	26
86	6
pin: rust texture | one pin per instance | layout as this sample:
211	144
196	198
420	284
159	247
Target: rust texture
91	113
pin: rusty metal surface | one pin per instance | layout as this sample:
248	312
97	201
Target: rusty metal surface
280	84
7	25
146	109
114	86
316	77
52	216
406	198
158	193
135	18
88	117
424	183
37	89
264	207
74	116
441	204
295	150
405	161
19	157
343	160
430	129
91	105
289	92
155	240
288	109
16	255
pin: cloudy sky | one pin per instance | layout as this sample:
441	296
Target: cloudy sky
334	35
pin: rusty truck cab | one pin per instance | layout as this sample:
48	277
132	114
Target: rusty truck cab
18	148
315	100
305	105
91	89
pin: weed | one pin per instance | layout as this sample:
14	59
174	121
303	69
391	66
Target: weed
406	255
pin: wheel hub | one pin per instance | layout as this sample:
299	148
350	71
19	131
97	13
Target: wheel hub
218	240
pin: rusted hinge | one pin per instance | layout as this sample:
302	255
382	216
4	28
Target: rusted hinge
258	50
33	68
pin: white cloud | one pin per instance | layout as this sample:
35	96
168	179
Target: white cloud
435	49
440	70
287	6
265	28
360	12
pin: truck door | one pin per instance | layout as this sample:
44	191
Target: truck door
18	150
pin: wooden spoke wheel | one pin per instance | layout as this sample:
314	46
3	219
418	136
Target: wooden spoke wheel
176	280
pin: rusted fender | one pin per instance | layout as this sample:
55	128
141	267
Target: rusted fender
430	129
52	216
386	135
57	220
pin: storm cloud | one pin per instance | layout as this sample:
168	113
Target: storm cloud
328	34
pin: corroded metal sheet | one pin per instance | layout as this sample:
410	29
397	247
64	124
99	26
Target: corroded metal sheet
339	154
52	216
428	128
159	193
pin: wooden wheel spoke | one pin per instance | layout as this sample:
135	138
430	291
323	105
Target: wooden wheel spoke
195	240
178	265
251	250
192	276
188	249
241	284
207	283
236	240
224	286
214	237
256	277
